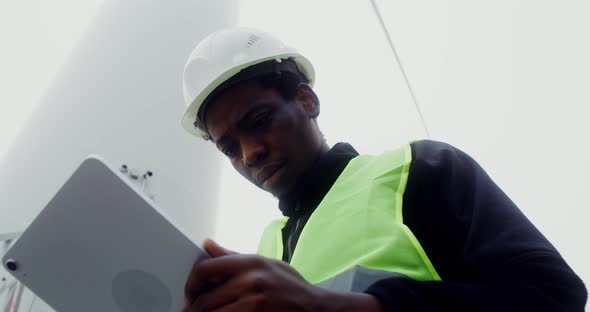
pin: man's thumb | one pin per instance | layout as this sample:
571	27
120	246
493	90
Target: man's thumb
215	250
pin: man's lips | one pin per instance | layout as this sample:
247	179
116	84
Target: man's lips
267	171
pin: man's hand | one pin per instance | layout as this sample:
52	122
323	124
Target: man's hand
229	281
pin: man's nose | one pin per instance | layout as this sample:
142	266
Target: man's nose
254	152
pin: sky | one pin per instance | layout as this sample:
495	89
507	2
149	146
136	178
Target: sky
503	80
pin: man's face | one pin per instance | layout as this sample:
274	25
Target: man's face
269	140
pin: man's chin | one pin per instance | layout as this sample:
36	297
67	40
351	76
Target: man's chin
278	194
279	191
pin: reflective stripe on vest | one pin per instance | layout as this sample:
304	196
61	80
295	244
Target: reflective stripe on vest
358	223
356	279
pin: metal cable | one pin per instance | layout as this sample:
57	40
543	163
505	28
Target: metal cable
401	67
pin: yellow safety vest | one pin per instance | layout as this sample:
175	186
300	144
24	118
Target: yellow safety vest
358	224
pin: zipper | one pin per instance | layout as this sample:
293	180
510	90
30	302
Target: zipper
290	241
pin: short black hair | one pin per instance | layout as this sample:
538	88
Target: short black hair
283	77
284	82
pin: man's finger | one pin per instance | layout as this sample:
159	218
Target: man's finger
230	291
228	266
197	283
217	270
215	250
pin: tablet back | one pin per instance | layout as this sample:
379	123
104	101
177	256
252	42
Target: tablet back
99	245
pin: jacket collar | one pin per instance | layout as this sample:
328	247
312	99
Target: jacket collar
317	181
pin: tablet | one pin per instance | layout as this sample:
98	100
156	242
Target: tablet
101	245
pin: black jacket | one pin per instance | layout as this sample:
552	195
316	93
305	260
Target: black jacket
488	254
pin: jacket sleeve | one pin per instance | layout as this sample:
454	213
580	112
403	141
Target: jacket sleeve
488	254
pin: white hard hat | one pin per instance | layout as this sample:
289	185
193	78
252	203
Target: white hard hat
223	54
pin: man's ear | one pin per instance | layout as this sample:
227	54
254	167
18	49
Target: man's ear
308	99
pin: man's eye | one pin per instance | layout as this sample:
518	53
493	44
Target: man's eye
261	121
230	152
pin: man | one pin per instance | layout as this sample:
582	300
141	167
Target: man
418	228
